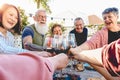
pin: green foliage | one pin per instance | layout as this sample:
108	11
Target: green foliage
118	22
44	4
99	27
90	26
24	18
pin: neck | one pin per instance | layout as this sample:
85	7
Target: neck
3	31
115	28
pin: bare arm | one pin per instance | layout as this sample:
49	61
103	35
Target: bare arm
33	66
89	56
27	39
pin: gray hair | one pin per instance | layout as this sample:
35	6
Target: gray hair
111	10
78	18
40	10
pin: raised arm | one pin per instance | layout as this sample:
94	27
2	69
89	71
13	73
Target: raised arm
89	56
28	66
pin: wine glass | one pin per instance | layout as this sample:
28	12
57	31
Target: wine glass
65	42
48	44
72	43
56	42
72	40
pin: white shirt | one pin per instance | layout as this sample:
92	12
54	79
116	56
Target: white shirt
7	44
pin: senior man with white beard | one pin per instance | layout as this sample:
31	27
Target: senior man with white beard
33	36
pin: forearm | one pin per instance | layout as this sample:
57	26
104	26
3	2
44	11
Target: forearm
33	66
34	47
59	61
83	46
6	49
91	56
25	40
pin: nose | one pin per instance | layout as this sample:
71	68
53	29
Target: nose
13	19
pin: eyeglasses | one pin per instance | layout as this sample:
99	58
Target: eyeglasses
77	25
40	16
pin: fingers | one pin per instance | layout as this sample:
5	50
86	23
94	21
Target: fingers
70	53
73	53
62	60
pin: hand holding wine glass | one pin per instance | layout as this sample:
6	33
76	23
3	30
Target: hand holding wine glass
72	44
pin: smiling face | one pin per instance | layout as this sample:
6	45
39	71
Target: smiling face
9	18
40	17
57	30
79	25
110	19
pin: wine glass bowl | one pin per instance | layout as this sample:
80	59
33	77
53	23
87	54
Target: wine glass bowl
56	44
60	44
65	42
72	40
48	43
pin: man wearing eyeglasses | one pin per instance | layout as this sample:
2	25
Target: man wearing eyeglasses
35	33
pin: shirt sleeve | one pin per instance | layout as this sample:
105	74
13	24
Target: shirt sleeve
6	49
27	32
25	66
97	40
111	58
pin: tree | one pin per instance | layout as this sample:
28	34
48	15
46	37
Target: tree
24	18
44	4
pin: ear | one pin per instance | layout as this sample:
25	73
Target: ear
35	18
118	17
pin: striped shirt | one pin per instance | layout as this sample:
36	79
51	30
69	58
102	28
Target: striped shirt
7	44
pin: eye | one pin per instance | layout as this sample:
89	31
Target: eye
109	16
11	14
16	17
104	18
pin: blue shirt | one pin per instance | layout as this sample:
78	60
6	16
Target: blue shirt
27	31
7	44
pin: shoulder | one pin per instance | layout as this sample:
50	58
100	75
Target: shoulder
29	27
28	31
85	29
103	30
72	31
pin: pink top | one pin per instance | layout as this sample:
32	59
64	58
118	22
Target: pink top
99	39
111	58
25	66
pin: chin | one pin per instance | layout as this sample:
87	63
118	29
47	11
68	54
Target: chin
80	31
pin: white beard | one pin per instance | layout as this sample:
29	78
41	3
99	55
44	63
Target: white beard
41	28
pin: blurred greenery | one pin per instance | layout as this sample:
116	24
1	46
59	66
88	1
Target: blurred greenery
98	27
44	4
24	18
